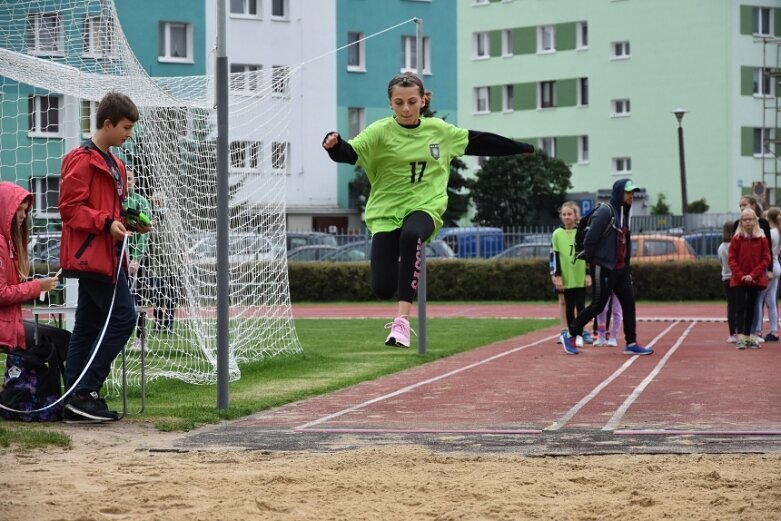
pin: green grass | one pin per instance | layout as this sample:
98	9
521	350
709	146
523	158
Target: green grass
31	436
336	354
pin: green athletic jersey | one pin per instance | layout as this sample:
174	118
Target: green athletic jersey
572	275
408	169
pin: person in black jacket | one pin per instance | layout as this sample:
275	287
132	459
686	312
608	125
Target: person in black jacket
607	250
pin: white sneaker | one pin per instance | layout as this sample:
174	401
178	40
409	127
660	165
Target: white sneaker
732	339
757	339
612	342
578	341
135	347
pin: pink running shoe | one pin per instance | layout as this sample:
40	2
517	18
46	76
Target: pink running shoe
399	334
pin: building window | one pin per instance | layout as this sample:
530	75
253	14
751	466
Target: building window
480	2
245	155
279	156
280	9
620	50
45	34
46	193
280	75
762	138
356	121
547	145
507	98
356	52
245	77
409	59
583	92
481	100
583	149
176	42
546	39
547	94
762	24
482	47
581	29
507	42
250	8
99	36
88	117
44	115
762	84
622	165
621	107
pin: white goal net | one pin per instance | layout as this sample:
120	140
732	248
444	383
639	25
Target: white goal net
57	60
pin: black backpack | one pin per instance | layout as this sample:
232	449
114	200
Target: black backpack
33	376
583	227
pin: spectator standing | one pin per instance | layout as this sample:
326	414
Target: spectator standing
749	258
726	276
768	297
93	189
569	275
609	323
138	246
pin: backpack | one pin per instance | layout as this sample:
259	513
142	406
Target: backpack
33	376
583	227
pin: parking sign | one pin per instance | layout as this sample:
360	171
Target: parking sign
585	206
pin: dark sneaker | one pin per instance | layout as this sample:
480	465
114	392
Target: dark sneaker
91	407
69	416
568	343
771	337
636	349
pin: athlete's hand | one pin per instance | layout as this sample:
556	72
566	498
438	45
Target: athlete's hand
47	283
588	281
330	141
558	283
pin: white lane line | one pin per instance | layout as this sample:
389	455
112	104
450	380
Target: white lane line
619	414
419	384
558	424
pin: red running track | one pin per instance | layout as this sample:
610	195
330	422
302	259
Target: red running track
694	383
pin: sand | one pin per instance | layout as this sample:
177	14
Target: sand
129	471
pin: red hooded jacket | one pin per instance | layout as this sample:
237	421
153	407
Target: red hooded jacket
13	292
89	203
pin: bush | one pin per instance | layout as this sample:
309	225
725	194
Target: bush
512	279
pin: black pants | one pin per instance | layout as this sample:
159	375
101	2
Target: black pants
605	282
574	300
732	307
745	304
395	262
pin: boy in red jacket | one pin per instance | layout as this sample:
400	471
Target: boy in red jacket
93	189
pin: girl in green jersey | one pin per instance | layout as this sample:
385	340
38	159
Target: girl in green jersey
407	160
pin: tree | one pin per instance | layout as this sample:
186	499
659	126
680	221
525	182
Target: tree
661	207
521	190
698	206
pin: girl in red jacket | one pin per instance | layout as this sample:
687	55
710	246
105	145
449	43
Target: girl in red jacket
749	256
15	265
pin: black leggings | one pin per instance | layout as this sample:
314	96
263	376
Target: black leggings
395	262
746	303
574	300
605	282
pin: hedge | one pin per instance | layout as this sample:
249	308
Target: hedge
511	279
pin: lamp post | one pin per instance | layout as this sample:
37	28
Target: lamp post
684	201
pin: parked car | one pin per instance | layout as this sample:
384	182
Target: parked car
312	252
661	248
298	239
40	246
242	247
470	242
705	243
361	251
532	250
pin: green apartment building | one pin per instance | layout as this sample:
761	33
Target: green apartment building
595	83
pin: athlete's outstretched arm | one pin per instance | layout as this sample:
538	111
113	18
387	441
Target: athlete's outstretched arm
339	150
488	144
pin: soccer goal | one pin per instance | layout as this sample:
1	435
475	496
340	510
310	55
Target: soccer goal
57	60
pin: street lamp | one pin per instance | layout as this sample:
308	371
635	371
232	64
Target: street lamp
684	202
